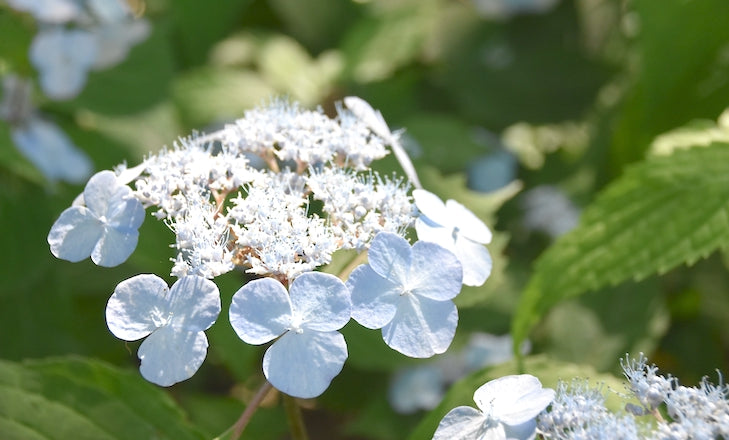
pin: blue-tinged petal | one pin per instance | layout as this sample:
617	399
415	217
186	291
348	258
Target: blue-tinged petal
523	431
124	212
100	191
475	259
75	233
427	230
390	256
468	224
513	399
114	247
436	272
303	364
320	301
421	327
51	151
462	423
194	303
432	207
137	307
169	356
260	311
374	299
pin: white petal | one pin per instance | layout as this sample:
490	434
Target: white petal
428	230
432	207
476	261
137	307
513	399
435	273
114	247
170	356
50	11
101	190
390	256
124	212
63	58
303	364
51	151
194	303
462	423
421	327
321	301
468	224
369	116
260	311
374	299
74	235
524	431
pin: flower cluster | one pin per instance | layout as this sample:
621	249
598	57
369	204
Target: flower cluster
279	223
74	37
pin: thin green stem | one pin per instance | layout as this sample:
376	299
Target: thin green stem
242	422
296	421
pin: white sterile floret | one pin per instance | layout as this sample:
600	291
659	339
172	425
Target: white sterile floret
417	388
507	408
457	229
105	229
115	39
309	351
407	291
51	150
63	59
174	321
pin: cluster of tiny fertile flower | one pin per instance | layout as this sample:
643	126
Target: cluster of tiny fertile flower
74	37
579	412
316	195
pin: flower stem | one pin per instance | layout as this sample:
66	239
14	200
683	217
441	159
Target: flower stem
242	422
296	421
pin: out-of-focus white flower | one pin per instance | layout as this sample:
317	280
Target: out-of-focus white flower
309	351
173	320
547	209
408	291
63	58
115	39
418	388
501	9
105	229
507	408
457	229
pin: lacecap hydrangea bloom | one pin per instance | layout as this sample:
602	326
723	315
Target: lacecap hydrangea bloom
309	351
507	409
407	291
173	320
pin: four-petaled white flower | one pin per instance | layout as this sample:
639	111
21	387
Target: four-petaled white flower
309	351
457	229
105	229
173	319
508	407
407	291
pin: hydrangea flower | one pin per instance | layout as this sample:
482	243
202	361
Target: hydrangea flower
105	229
49	11
457	229
173	320
309	351
508	407
407	291
63	59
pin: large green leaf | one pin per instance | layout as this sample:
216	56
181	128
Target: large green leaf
661	213
84	399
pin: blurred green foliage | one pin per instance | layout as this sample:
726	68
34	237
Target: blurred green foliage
575	96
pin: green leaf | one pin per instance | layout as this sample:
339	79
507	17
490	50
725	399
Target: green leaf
661	213
548	371
84	399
